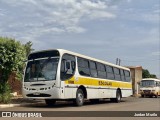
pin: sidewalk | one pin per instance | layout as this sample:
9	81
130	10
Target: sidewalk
18	101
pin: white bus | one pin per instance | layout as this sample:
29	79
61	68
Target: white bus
59	74
150	87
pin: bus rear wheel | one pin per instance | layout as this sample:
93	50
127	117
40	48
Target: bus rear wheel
79	97
118	97
50	102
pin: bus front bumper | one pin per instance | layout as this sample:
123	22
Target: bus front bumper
53	93
148	93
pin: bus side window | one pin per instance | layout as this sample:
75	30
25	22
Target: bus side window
117	74
127	76
67	66
93	68
110	74
73	65
83	66
101	71
122	75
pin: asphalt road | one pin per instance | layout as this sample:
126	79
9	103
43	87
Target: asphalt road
127	104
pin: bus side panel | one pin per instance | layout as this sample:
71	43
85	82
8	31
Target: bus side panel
68	92
93	93
113	93
105	92
126	93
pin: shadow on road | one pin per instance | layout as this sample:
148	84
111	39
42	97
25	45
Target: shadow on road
65	104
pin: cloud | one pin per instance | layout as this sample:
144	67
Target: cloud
36	18
2	12
156	53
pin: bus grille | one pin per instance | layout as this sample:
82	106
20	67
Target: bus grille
40	95
146	91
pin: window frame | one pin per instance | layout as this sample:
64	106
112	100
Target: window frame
66	60
109	70
93	69
127	76
83	66
101	70
117	73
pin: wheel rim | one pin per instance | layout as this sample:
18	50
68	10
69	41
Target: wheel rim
80	98
118	97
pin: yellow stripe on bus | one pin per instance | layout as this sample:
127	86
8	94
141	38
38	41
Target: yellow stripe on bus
98	82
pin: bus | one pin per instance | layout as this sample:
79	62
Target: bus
59	74
150	87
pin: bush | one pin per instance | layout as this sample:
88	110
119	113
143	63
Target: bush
12	55
5	96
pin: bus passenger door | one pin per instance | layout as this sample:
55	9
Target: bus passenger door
67	75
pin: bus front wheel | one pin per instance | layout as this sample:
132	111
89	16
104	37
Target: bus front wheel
50	102
156	96
79	97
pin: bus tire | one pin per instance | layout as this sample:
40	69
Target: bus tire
156	96
79	97
50	102
142	96
118	97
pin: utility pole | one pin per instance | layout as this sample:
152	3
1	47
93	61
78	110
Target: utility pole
118	61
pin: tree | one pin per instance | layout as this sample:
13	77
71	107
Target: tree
12	55
28	47
146	74
153	76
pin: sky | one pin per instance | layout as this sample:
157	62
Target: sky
103	29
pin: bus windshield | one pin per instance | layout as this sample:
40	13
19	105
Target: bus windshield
41	70
147	83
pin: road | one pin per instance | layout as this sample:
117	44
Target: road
127	104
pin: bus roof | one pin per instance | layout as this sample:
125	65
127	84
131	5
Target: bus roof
151	79
62	51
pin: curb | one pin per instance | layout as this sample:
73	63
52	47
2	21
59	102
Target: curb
9	105
14	105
